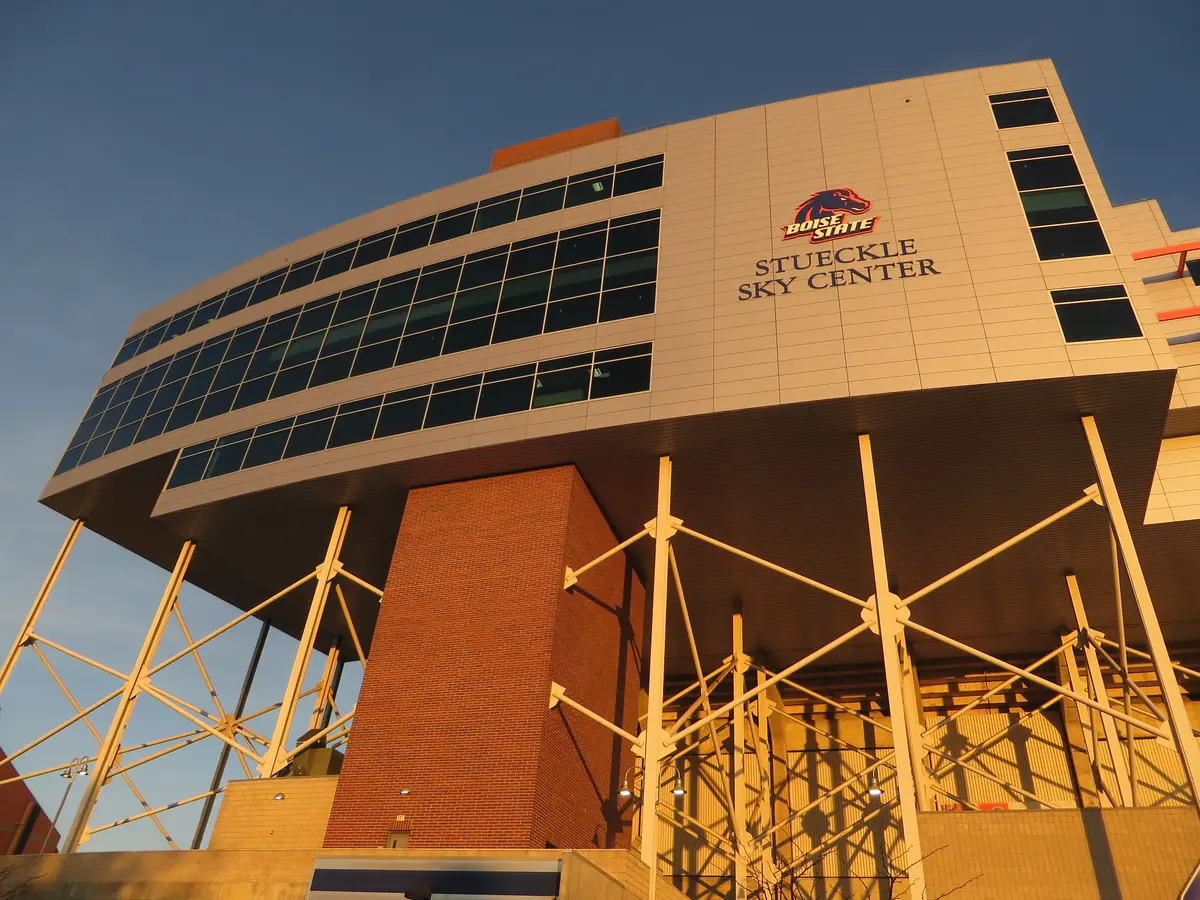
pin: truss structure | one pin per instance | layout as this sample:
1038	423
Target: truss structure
258	753
760	857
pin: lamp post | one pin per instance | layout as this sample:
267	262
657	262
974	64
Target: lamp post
77	766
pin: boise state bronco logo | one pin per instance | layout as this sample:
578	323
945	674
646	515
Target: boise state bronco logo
823	216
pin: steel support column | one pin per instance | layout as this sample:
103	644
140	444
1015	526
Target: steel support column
737	761
654	734
39	602
327	687
1077	733
914	713
890	634
1185	740
1100	692
111	747
223	759
276	754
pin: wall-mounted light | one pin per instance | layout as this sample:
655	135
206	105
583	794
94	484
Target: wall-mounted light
678	789
404	792
278	796
625	791
873	787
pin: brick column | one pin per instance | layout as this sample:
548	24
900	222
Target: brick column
473	627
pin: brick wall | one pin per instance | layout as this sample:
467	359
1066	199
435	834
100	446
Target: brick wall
251	819
473	627
20	811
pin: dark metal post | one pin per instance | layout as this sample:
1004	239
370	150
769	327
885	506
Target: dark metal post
219	773
333	689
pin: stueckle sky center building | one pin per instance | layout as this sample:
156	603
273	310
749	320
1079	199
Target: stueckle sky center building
802	500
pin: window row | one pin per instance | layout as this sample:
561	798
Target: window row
1056	203
1023	108
605	373
577	277
1096	313
575	190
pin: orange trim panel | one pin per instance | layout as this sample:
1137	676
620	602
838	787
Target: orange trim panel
555	143
1172	314
1167	251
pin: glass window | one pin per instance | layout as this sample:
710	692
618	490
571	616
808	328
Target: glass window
266	448
230	373
354	306
217	403
336	261
625	376
111	419
385	325
527	291
483	271
580	248
468	335
395	294
500	397
268	286
265	362
316	316
211	354
1065	241
354	428
627	303
1057	205
563	386
589	187
226	459
180	367
332	368
438	282
343	337
128	387
573	313
152	426
402	417
454	223
85	431
511	326
136	408
374	248
278	330
291	381
532	259
121	438
188	470
197	385
95	448
633	237
473	304
1023	108
633	268
180	322
542	199
70	459
101	401
429	314
423	345
153	337
572	281
128	351
496	213
413	236
303	349
1051	171
208	311
244	341
165	396
375	357
1096	314
452	406
183	414
301	273
255	391
238	298
631	181
308	438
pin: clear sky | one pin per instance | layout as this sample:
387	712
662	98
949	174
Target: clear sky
145	147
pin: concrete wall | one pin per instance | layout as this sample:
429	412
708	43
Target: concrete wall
283	874
251	819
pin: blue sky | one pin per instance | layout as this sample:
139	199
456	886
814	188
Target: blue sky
145	147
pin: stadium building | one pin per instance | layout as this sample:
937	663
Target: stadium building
795	502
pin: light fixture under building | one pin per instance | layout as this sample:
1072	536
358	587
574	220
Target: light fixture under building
278	796
404	792
625	791
873	787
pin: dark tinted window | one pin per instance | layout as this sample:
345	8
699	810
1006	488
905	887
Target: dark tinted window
589	187
1096	314
1065	241
1054	171
640	179
1023	108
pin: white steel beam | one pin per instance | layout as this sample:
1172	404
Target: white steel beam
654	749
890	634
1181	729
39	603
111	747
276	754
738	757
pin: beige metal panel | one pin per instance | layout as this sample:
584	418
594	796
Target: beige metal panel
683	848
1158	769
1175	496
1030	755
865	851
